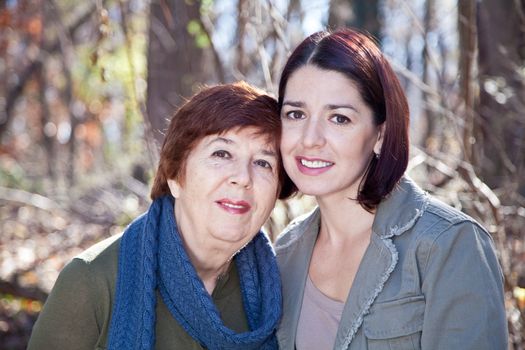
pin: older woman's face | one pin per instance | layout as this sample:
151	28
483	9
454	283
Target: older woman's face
229	187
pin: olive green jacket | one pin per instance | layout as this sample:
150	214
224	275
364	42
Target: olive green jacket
429	279
77	313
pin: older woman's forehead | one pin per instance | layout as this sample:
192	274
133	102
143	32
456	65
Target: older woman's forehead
270	139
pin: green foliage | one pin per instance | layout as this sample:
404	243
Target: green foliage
206	6
201	38
12	175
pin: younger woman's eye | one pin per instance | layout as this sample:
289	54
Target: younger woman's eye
340	119
221	154
263	163
294	115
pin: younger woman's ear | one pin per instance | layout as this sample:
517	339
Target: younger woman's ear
380	137
174	188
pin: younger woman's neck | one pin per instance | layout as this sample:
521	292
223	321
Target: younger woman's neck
342	218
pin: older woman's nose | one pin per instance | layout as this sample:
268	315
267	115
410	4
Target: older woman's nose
242	176
313	134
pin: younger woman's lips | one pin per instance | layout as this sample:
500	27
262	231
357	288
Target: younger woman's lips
234	207
312	166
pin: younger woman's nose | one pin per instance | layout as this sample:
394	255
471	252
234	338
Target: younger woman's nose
313	133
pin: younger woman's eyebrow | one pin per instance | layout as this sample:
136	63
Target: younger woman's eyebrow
300	104
293	103
331	106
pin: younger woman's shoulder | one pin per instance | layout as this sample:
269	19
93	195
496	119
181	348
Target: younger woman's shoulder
441	222
304	225
441	211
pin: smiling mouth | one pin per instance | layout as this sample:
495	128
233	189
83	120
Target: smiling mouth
315	164
234	207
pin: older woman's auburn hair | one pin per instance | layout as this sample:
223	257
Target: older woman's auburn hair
355	55
216	110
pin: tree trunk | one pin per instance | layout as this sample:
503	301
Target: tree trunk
467	61
431	131
174	60
501	41
361	14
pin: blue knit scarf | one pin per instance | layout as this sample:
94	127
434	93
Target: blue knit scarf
152	256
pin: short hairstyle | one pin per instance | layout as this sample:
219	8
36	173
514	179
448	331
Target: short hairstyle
355	55
216	110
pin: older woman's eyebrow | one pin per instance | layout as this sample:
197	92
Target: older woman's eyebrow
228	141
221	139
269	153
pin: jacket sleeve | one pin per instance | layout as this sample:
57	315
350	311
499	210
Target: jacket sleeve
69	317
463	288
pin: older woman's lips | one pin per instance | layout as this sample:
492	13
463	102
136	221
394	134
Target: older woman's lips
234	207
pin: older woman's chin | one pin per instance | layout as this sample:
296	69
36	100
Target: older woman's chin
233	238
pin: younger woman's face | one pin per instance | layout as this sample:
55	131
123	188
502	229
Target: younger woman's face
329	135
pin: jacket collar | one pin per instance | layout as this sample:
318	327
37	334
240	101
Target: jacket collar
400	210
395	215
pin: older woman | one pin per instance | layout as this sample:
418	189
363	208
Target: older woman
194	271
379	264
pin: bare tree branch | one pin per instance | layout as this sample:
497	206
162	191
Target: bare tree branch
14	93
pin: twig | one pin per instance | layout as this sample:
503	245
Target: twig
14	288
28	198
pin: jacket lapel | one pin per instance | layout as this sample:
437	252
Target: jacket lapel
375	268
395	215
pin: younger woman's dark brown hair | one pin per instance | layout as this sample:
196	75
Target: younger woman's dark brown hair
355	55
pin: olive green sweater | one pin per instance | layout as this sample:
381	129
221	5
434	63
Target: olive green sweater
77	313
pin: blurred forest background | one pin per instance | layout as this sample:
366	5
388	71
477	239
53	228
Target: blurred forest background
86	88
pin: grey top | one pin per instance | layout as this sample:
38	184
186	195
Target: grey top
429	279
319	319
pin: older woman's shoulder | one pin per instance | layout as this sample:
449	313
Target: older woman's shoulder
103	250
298	229
96	267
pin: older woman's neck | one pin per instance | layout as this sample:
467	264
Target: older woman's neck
210	257
210	262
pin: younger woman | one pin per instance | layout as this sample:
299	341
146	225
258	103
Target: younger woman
379	264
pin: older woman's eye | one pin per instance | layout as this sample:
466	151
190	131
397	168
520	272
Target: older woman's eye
221	154
295	115
340	119
263	163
